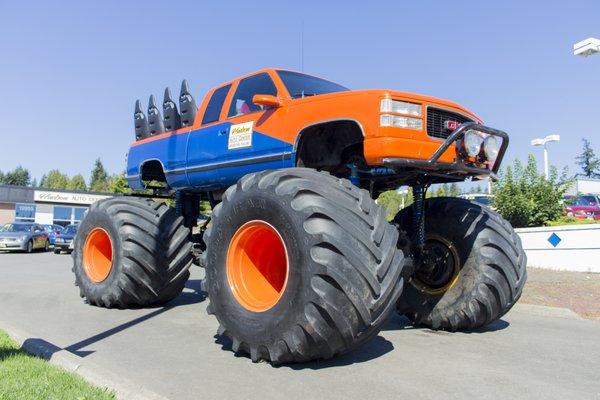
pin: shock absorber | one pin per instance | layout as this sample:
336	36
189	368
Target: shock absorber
419	217
187	205
179	203
354	179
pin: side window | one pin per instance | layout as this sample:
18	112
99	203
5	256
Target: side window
215	104
248	87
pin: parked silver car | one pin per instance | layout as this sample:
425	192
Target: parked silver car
24	236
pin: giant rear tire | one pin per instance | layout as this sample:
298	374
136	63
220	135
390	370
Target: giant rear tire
475	269
131	252
300	265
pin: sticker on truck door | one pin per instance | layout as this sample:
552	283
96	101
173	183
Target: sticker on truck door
240	136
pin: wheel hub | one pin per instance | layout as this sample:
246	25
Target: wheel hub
439	266
97	255
257	266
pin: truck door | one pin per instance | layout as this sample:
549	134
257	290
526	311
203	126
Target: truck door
202	147
245	141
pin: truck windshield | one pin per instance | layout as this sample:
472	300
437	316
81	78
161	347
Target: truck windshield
301	85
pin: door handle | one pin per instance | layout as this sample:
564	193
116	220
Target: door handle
222	132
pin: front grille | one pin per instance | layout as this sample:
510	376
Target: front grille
436	119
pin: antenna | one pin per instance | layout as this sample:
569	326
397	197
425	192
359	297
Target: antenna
302	47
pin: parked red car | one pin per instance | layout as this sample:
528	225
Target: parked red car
585	206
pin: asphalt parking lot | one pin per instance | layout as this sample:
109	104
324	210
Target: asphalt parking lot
533	352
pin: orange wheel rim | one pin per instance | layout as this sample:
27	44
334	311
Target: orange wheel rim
97	255
257	266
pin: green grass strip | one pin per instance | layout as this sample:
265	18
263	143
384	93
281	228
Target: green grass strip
25	377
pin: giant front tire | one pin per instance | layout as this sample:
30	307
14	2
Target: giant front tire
473	270
131	252
300	265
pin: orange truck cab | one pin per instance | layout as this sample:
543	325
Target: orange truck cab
272	118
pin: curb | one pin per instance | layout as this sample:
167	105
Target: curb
97	376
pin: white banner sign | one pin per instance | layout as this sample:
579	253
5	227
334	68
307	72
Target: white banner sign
69	198
240	136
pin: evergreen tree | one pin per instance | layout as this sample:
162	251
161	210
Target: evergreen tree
588	161
454	190
19	177
99	180
43	181
1	178
77	183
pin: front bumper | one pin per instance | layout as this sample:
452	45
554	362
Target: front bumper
64	244
457	169
8	246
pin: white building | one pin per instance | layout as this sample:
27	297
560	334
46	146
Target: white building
584	185
44	206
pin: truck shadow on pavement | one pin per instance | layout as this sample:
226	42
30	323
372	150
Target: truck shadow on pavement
376	347
45	349
400	322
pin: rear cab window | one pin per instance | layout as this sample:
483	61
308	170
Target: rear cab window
242	100
215	104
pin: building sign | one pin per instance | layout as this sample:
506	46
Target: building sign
68	198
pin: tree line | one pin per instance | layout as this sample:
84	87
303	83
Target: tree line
100	180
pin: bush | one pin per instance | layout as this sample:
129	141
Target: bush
526	198
393	201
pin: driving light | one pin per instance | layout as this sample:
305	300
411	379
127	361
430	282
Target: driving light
491	148
472	142
397	121
400	107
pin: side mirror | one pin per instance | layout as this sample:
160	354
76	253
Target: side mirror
266	100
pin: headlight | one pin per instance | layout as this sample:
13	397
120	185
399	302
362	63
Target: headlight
59	240
23	238
401	122
472	142
491	148
400	107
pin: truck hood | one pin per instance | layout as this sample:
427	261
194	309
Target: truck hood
395	94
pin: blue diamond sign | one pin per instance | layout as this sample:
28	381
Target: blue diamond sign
554	240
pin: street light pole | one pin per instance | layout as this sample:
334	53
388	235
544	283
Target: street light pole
543	142
546	172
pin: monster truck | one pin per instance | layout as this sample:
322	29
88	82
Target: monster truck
300	262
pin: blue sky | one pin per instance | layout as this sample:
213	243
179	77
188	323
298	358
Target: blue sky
71	71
